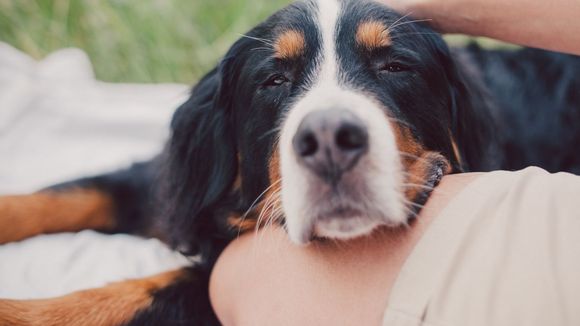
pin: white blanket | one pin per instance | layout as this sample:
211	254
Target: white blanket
58	123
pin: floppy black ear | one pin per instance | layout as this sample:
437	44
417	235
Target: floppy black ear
469	106
200	163
472	121
470	112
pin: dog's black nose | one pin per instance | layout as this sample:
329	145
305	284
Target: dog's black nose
330	142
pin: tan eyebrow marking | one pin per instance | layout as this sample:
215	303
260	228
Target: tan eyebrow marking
290	44
373	35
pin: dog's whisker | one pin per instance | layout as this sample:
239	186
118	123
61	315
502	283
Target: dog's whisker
407	154
270	201
413	185
261	195
269	215
261	49
264	41
399	121
245	215
268	133
409	22
414	204
413	156
398	20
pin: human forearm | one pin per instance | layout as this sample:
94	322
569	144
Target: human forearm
553	25
264	279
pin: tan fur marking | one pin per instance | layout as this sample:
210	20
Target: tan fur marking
414	164
274	166
417	161
417	175
267	203
238	181
50	211
373	35
112	305
455	149
290	45
408	147
243	223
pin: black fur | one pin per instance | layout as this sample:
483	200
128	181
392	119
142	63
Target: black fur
506	109
201	164
184	302
535	100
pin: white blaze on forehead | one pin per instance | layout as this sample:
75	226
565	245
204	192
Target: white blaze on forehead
328	15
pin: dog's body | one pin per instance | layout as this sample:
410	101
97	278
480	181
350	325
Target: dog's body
325	105
534	97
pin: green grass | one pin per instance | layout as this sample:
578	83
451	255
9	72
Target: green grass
134	40
139	40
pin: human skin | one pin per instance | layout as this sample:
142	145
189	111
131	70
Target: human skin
263	279
551	25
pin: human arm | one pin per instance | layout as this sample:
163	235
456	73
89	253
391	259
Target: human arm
551	25
263	279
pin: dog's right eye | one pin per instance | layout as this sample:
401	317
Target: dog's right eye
276	80
394	67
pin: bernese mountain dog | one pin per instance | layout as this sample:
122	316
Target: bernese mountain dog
331	118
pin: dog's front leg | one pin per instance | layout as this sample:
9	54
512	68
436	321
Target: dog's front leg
25	216
178	297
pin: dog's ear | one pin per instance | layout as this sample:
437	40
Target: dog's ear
470	113
472	143
200	163
200	160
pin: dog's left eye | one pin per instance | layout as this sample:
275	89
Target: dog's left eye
276	80
394	67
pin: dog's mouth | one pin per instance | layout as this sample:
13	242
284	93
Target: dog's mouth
343	210
343	223
340	213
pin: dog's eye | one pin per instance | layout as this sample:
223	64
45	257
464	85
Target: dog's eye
276	80
394	67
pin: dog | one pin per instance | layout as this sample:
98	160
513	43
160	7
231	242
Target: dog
332	118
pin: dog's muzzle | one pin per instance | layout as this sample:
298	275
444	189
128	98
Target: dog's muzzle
340	167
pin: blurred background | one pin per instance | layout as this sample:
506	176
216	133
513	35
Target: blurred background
134	41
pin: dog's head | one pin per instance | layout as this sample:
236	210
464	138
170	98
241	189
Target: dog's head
334	116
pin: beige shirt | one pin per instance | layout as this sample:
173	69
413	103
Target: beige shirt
505	251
